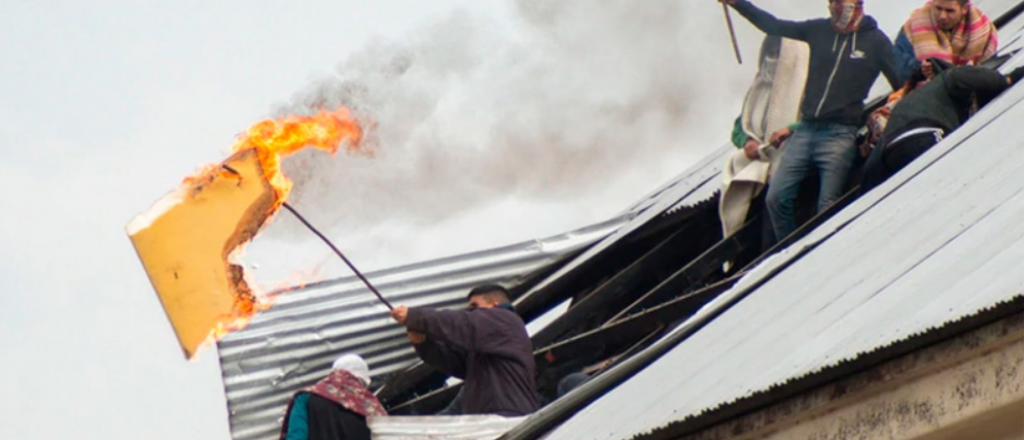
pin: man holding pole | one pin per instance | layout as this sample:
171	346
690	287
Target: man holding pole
485	345
848	52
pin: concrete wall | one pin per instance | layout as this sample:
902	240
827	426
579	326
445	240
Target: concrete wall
969	387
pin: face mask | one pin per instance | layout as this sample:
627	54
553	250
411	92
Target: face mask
846	15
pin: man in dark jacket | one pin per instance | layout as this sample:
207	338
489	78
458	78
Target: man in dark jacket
926	115
487	346
848	52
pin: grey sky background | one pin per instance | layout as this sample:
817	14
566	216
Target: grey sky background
514	120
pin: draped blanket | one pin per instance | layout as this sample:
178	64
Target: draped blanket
973	41
773	102
345	389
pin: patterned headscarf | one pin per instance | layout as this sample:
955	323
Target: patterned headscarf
846	15
973	41
347	390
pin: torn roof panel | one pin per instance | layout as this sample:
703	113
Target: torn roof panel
697	184
940	241
293	344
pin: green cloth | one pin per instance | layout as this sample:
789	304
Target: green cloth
740	138
298	420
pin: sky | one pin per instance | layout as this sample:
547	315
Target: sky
498	121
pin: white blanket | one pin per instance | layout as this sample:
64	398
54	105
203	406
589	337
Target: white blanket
772	103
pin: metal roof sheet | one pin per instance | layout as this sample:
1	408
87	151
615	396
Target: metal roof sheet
940	241
293	344
475	427
697	184
995	8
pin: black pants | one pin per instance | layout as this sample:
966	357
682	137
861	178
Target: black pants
885	160
330	421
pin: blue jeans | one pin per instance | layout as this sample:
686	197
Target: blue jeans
829	148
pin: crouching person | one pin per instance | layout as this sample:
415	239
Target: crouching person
926	115
486	345
335	408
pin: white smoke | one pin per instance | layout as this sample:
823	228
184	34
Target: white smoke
577	94
462	113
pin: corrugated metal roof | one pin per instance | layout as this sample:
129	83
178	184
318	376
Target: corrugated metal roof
477	427
941	241
995	8
293	344
697	184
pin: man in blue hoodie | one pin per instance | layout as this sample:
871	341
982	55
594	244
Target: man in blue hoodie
848	52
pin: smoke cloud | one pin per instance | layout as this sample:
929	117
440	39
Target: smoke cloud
462	112
566	100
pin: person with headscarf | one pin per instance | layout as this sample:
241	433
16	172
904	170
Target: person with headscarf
336	407
953	31
848	52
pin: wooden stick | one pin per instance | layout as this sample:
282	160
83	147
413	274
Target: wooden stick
336	251
732	33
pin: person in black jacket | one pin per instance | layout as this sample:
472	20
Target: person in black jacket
487	346
922	118
848	52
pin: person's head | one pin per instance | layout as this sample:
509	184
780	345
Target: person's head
355	365
949	13
487	296
846	15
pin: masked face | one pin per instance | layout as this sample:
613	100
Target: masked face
846	15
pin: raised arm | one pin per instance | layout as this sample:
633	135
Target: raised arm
767	23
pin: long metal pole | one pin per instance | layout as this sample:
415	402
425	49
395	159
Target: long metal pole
336	251
732	33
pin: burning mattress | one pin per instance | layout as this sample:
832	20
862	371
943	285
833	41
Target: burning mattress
190	241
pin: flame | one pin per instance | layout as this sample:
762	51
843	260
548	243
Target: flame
274	139
247	306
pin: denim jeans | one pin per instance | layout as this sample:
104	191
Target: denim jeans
829	148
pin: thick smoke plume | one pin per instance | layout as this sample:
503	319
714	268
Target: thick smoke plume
565	101
462	113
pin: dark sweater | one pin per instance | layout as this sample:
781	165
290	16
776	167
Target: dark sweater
842	67
946	101
489	349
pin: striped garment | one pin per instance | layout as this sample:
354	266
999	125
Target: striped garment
972	42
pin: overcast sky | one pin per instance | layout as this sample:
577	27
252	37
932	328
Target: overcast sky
106	105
